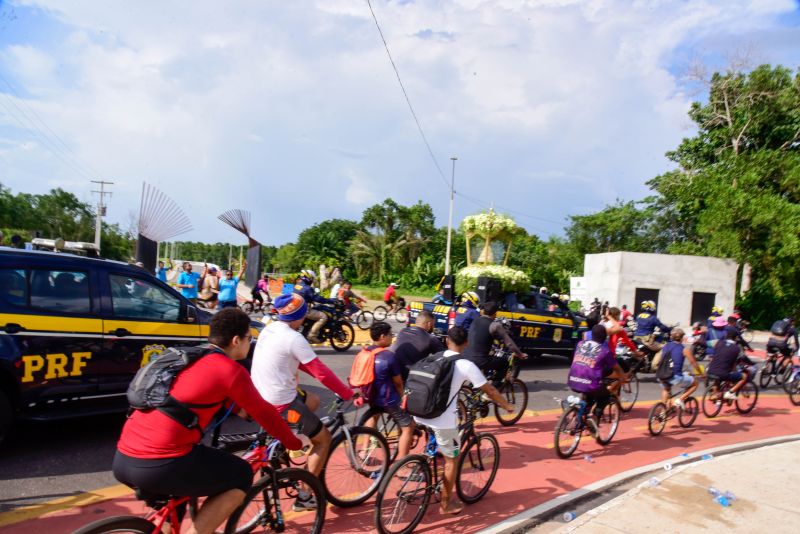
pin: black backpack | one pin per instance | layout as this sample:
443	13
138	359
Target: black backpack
664	371
428	386
149	389
780	327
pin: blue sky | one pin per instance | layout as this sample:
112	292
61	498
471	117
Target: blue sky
292	110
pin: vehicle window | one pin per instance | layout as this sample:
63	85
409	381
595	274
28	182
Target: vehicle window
13	289
136	298
61	291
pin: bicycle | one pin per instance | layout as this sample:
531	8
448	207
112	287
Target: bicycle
396	310
405	493
628	392
660	414
575	421
387	426
276	490
362	318
713	396
777	367
251	307
792	385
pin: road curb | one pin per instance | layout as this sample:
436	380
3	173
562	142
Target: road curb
529	518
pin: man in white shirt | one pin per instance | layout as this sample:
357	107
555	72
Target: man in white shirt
280	352
445	427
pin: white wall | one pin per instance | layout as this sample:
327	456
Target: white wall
614	276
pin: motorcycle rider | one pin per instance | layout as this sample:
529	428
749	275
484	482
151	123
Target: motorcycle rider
305	288
481	339
646	323
469	300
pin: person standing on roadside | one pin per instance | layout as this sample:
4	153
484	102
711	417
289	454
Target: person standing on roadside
227	287
187	282
161	271
415	342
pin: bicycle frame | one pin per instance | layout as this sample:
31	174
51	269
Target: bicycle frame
166	513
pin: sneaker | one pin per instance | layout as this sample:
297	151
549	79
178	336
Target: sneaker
305	501
485	397
592	424
678	403
729	395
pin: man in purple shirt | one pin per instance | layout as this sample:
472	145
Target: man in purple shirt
592	362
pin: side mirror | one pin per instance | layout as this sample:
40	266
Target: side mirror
191	314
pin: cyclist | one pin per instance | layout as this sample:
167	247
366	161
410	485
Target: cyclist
481	338
727	355
675	350
415	342
159	455
262	286
781	333
445	427
469	300
346	296
280	351
388	385
390	296
732	326
593	361
305	288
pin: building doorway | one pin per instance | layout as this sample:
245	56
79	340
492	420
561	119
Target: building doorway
642	294
701	306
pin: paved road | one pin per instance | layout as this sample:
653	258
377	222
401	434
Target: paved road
45	461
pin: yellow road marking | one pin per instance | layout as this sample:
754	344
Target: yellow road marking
82	499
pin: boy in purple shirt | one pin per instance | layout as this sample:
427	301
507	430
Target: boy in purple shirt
593	361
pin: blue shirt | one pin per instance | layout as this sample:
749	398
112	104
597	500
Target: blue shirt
674	350
227	289
387	366
189	278
646	323
465	319
161	273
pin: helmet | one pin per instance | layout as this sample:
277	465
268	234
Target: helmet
543	290
555	296
565	297
648	305
308	275
716	311
471	297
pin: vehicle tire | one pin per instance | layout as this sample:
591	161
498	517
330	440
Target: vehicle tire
401	315
365	320
516	394
629	393
6	416
403	496
388	428
246	307
794	391
688	414
347	484
567	433
477	467
711	408
258	505
342	336
657	418
746	398
609	423
380	313
765	374
126	523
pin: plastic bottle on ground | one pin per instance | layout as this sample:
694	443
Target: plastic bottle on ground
667	467
714	492
569	516
729	495
684	454
589	458
723	501
653	482
707	457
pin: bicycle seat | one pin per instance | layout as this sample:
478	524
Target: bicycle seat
153	500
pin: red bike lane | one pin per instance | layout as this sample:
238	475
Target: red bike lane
530	472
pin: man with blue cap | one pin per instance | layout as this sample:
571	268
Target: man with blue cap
280	352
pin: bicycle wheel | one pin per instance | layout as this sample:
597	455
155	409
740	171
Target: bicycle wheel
794	391
746	398
364	320
765	375
608	423
246	307
786	377
355	466
712	403
657	418
385	424
629	393
477	466
271	504
380	313
124	523
516	394
568	433
401	315
781	372
688	414
342	336
403	496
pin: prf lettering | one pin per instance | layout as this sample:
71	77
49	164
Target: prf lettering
529	331
54	365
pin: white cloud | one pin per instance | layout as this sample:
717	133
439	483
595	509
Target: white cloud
264	102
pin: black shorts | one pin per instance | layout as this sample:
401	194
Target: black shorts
401	417
204	472
300	418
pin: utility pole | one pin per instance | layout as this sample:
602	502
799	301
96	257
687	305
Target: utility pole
101	210
450	218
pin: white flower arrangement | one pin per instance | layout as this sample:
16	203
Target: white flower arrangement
489	224
511	279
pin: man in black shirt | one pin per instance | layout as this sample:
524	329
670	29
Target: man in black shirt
482	333
727	354
415	342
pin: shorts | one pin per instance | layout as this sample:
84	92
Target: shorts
300	418
447	441
684	380
204	472
389	302
399	415
226	304
734	376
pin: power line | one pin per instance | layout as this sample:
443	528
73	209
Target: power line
408	100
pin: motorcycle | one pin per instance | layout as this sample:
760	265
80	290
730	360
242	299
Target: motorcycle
337	330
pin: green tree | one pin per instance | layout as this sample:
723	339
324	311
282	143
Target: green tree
327	243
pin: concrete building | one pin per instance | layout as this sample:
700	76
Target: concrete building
685	288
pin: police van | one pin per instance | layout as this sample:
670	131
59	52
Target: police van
74	330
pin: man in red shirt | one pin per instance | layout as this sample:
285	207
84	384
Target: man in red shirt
390	295
157	454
